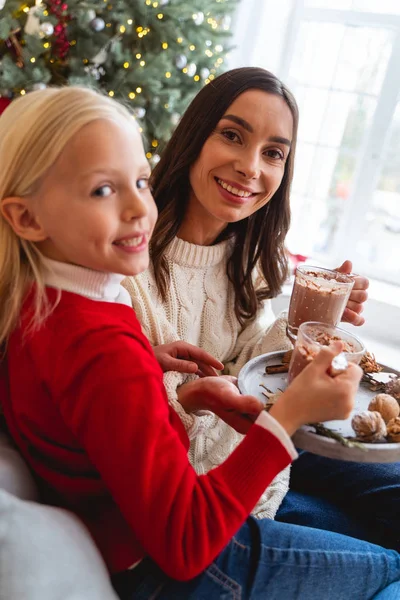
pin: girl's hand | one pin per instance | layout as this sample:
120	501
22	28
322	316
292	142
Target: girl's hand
221	396
355	304
186	358
315	396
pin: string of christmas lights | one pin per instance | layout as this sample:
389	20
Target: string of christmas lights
153	55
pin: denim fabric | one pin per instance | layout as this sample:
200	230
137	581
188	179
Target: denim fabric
368	494
267	560
319	513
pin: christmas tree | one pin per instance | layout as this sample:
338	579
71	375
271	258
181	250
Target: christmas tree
153	54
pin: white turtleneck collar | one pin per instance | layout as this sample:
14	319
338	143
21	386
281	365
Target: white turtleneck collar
95	285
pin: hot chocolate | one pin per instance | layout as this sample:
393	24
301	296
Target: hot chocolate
312	336
301	357
318	295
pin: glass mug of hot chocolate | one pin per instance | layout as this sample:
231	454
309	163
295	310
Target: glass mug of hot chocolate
318	295
310	339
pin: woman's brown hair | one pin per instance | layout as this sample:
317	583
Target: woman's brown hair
258	239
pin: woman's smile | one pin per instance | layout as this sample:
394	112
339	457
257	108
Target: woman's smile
232	193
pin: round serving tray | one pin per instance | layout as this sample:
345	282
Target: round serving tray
253	374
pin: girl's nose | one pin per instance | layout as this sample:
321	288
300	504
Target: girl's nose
135	207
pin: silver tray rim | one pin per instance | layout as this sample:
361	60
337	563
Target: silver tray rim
306	439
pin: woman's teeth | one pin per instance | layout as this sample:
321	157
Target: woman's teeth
135	241
233	190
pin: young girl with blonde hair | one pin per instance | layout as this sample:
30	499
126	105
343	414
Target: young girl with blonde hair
83	395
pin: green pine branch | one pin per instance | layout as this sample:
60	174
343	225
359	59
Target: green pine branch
151	55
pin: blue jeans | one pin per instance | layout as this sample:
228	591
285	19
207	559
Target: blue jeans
365	496
277	561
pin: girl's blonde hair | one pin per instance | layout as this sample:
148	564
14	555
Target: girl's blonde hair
34	130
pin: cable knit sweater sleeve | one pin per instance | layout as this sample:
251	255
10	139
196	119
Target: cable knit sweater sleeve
263	334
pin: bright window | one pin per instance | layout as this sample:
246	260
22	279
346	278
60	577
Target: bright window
341	59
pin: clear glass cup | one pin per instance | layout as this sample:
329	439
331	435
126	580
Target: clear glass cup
318	295
310	339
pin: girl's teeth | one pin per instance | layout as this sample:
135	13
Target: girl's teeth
233	190
136	241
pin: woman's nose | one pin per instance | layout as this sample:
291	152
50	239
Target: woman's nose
249	166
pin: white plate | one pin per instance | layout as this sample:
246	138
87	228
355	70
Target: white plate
253	374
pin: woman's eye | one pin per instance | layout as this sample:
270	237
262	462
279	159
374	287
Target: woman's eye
103	191
230	135
276	154
142	184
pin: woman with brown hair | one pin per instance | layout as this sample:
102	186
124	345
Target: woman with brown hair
222	190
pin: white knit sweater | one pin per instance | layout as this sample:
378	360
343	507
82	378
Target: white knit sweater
200	310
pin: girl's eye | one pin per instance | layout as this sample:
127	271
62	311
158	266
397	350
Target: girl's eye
142	184
103	191
276	154
232	136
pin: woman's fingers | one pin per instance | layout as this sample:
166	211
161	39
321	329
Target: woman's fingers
351	316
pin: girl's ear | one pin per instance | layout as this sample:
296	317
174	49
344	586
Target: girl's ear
17	212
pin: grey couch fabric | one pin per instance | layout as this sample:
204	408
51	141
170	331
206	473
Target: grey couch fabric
15	476
45	553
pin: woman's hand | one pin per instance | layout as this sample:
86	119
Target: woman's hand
355	304
221	396
186	358
315	396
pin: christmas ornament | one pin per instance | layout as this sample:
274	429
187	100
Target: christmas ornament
175	117
386	405
93	71
225	22
32	25
100	57
204	72
97	24
61	44
198	18
139	112
39	86
46	28
180	61
191	69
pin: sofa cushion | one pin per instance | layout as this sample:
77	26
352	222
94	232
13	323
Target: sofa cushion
47	554
15	476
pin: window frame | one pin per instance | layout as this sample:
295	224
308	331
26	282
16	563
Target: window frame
371	154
